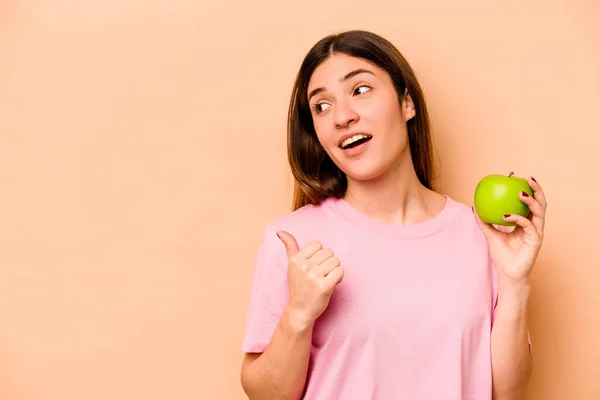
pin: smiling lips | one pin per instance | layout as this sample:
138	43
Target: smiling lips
354	141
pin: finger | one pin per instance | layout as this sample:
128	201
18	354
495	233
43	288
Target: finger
538	193
487	229
335	276
537	212
290	243
327	266
320	256
310	250
528	228
503	228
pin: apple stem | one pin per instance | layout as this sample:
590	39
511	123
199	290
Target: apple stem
511	174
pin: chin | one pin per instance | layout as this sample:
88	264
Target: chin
360	172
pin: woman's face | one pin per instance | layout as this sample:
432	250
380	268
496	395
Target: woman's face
357	116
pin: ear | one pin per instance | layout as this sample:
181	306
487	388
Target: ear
408	107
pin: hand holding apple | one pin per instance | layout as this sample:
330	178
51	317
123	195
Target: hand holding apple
504	200
498	195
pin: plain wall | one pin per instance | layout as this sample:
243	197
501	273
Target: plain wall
142	149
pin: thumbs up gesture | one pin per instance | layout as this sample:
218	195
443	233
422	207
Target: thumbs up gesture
313	273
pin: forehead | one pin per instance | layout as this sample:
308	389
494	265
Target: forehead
335	67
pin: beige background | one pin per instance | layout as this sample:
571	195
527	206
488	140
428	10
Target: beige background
142	148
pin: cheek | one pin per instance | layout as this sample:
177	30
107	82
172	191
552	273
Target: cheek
325	135
389	112
388	119
380	114
370	111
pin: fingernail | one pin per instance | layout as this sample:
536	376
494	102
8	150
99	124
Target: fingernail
506	215
278	235
533	179
473	210
524	194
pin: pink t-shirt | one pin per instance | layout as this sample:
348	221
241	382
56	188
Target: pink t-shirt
412	317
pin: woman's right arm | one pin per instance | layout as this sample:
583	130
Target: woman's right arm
280	371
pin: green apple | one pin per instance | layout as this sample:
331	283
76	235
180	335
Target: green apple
497	195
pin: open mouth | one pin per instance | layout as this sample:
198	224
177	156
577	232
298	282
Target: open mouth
354	141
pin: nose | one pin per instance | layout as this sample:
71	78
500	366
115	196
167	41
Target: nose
345	115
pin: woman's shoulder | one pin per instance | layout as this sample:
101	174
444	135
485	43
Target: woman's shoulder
310	217
303	224
465	221
461	209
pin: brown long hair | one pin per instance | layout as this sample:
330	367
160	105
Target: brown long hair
315	174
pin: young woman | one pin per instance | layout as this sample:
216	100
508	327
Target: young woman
376	286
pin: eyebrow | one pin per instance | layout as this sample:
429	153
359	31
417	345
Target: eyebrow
344	78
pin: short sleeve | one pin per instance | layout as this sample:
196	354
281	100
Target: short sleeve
494	279
269	293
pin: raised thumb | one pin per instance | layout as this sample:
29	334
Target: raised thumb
291	245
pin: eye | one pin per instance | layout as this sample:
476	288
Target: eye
362	89
320	107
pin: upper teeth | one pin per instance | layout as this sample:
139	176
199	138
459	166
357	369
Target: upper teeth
353	139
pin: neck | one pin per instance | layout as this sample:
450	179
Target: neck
397	197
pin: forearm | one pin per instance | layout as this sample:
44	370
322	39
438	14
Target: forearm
511	358
280	371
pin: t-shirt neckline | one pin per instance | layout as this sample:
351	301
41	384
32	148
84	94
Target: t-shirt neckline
425	228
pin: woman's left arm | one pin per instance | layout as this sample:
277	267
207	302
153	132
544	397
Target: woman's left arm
510	347
514	254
